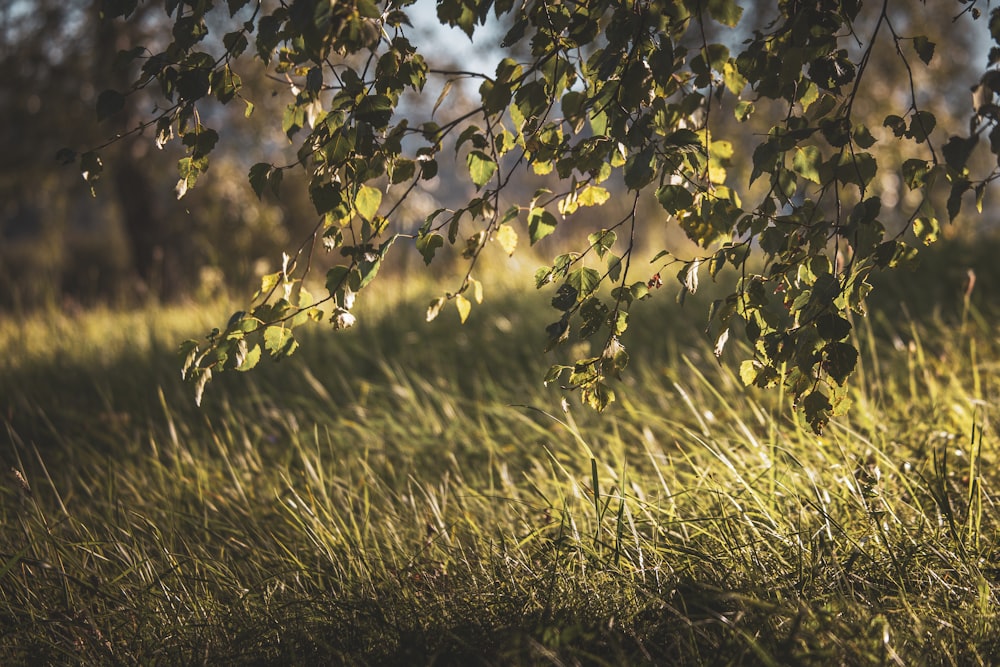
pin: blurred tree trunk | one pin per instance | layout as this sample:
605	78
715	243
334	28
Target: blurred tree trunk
153	251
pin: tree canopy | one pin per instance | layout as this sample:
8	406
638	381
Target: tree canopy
741	119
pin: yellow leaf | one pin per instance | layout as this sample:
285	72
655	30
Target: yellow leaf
477	290
507	238
567	206
731	76
367	202
810	94
716	173
464	307
721	149
541	167
593	196
748	372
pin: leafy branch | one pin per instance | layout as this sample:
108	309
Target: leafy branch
606	98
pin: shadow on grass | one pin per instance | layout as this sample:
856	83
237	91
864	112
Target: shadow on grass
498	352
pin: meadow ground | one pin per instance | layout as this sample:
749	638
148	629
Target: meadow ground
409	493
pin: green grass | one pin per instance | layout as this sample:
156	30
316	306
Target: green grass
410	494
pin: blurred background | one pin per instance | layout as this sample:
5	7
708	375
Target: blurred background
135	242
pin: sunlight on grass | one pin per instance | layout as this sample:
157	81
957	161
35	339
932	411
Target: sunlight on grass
409	493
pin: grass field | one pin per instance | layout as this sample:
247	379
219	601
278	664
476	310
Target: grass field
410	494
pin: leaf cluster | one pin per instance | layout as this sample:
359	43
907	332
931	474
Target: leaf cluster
610	98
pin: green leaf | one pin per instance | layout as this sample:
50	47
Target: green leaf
674	198
336	279
614	266
954	204
194	84
368	9
837	131
371	262
858	168
924	48
639	169
403	170
456	13
726	12
566	297
926	229
201	141
915	173
114	8
921	126
375	109
895	123
541	223
495	96
584	280
367	201
958	150
806	163
683	138
594	314
557	332
428	244
863	136
995	140
764	159
279	341
832	327
839	360
716	56
481	167
250	359
572	104
326	198
597	396
314	80
602	241
817	409
258	177
428	169
236	5
554	372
